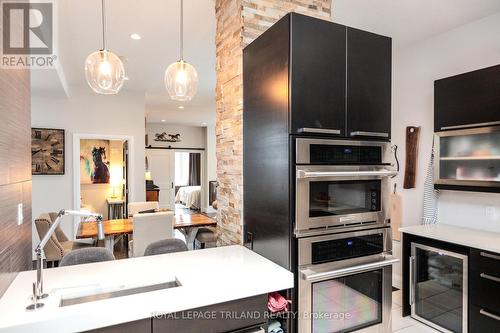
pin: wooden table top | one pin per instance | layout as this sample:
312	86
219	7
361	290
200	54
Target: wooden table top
126	226
194	220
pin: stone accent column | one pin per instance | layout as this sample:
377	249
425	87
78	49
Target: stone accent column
239	22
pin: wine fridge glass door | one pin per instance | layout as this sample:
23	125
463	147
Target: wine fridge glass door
439	288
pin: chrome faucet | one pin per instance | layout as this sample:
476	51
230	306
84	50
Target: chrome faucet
38	286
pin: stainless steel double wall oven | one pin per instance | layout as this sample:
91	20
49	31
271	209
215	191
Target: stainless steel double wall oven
344	237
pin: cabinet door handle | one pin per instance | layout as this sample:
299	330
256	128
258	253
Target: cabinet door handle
489	277
489	314
319	130
489	255
361	133
412	280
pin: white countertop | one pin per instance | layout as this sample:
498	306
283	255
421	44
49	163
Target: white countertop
207	277
484	240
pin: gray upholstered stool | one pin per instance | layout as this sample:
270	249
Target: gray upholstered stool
86	256
206	236
169	245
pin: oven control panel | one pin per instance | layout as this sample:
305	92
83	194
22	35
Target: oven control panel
347	248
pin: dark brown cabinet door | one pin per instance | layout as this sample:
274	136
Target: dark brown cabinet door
484	288
467	99
317	75
217	318
369	61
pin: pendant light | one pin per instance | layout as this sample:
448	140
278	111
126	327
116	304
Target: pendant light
104	70
181	79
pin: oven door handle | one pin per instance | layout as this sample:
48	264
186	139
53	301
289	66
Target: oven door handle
309	274
302	174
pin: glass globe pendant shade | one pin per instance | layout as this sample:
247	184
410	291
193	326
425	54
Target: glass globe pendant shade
104	72
181	81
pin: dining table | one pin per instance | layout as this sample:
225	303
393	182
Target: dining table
188	224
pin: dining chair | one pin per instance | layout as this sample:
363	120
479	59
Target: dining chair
59	244
142	206
148	228
86	256
163	246
206	236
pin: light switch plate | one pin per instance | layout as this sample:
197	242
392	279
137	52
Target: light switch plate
490	212
20	217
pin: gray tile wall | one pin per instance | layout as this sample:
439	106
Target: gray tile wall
15	174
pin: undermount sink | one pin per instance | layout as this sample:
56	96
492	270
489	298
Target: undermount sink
117	292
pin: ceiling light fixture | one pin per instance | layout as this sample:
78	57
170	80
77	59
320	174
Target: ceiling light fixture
163	120
135	36
181	107
104	70
181	78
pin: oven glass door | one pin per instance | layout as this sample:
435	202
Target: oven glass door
347	303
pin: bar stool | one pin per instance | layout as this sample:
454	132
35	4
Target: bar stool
86	256
205	236
170	245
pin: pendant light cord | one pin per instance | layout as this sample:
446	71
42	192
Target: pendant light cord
181	30
103	17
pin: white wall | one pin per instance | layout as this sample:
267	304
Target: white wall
469	47
210	161
415	68
89	113
211	156
191	136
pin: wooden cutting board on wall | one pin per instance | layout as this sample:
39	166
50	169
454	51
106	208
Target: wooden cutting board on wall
412	140
396	215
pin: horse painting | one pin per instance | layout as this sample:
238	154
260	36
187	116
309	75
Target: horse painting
101	170
94	161
164	137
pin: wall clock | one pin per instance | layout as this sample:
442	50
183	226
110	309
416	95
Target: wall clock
47	151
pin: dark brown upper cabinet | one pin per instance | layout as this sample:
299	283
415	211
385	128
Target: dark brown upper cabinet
467	100
314	77
318	70
369	62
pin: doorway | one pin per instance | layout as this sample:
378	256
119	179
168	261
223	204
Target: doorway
101	169
187	182
178	175
160	170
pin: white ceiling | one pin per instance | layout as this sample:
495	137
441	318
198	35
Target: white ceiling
157	21
410	21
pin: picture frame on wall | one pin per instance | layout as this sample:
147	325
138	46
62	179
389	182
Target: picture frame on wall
95	161
47	151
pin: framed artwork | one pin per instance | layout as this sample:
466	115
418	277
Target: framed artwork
47	151
94	161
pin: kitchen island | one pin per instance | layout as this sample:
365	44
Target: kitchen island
489	241
457	268
202	279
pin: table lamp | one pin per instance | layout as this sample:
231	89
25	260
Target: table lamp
116	180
